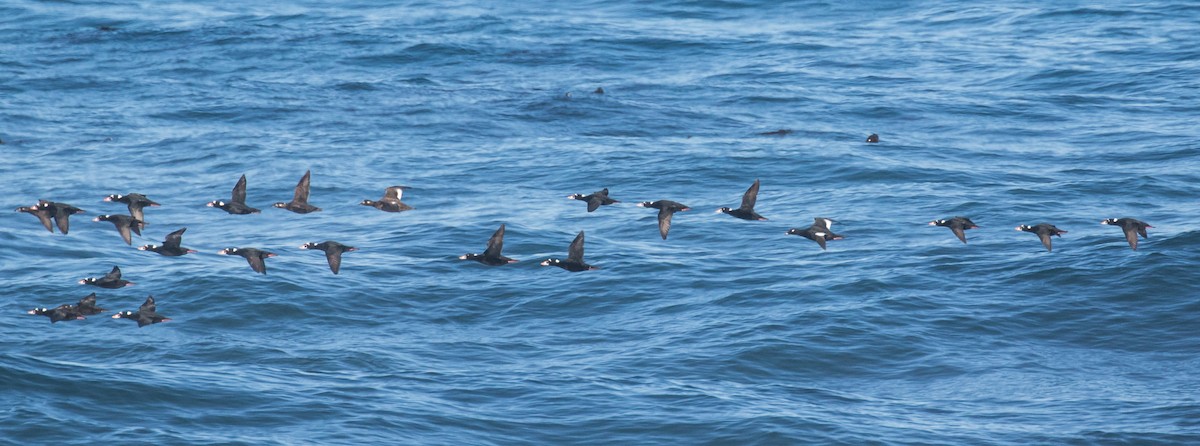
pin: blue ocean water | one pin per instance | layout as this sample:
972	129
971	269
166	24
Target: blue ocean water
729	332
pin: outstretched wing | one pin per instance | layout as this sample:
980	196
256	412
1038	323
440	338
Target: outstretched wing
1045	236
575	251
957	229
819	237
88	301
333	256
174	239
495	244
750	197
393	193
664	220
257	263
135	210
301	194
63	218
148	306
123	228
43	216
113	275
1131	236
239	191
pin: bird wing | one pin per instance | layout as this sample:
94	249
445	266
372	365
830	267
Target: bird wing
123	228
88	301
1131	237
393	193
148	306
495	244
257	263
115	274
750	197
957	228
135	210
333	256
301	194
44	217
174	239
239	191
664	220
818	235
575	251
594	202
1045	236
257	260
62	218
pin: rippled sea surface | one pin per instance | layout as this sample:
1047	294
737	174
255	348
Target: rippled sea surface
729	332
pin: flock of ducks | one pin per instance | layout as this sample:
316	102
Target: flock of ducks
49	212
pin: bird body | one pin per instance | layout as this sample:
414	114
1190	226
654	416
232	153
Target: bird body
491	255
956	225
746	210
390	202
574	261
112	280
333	252
237	200
134	201
170	246
666	209
595	199
125	224
256	257
1043	231
1132	227
299	203
818	232
61	212
146	314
